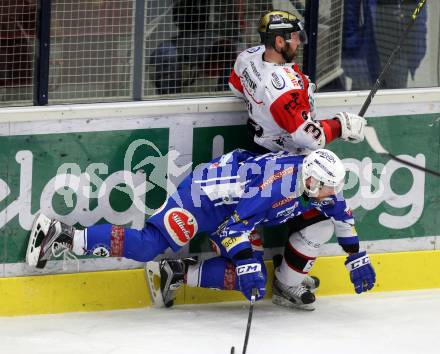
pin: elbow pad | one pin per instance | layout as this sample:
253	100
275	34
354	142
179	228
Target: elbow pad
310	135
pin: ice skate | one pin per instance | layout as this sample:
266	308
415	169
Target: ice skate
299	296
165	278
311	283
49	238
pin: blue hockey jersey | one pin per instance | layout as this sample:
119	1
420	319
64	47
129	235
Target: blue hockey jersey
231	195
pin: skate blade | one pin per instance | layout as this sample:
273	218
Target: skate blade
281	301
40	228
152	274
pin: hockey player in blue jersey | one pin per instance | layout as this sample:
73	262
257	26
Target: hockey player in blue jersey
292	286
226	198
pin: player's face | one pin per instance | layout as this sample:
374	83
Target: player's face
291	46
318	191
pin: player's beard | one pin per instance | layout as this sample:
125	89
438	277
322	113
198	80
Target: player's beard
288	53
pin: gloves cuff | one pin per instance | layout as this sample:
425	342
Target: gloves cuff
359	260
247	268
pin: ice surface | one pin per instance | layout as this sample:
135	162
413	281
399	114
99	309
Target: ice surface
400	322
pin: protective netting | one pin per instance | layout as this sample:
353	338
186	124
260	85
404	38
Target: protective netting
91	50
189	46
17	42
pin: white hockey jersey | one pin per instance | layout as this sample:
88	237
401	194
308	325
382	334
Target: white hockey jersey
279	99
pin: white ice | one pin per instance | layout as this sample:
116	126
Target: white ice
399	322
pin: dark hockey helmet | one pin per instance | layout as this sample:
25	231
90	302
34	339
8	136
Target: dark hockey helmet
280	23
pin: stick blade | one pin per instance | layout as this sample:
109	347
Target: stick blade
373	141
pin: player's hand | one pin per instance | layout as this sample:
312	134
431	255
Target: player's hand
362	274
352	127
250	275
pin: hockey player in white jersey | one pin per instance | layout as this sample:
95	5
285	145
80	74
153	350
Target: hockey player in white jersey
280	98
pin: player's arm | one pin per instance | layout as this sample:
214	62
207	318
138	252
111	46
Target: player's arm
234	79
291	112
358	264
235	84
248	267
235	238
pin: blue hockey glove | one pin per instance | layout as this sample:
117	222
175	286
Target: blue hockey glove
362	274
250	276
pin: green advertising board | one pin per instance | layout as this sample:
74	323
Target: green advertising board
81	177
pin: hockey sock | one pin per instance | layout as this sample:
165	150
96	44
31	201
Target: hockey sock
111	240
294	266
79	242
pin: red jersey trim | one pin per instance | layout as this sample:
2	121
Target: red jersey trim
234	80
332	129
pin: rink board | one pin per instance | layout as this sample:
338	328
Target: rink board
110	290
85	164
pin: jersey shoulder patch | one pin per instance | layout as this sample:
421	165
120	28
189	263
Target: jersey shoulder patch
258	48
283	79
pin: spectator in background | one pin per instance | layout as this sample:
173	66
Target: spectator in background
199	49
360	59
392	17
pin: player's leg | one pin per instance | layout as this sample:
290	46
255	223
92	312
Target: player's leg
291	276
214	273
174	225
311	282
50	238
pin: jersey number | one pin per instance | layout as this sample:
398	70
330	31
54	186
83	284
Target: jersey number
312	129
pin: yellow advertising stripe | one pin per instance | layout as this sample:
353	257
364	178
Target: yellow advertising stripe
395	271
110	290
94	291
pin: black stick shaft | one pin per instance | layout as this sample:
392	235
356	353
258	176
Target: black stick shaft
413	165
378	82
248	327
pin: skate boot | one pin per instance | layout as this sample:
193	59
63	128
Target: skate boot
49	238
310	281
172	276
292	296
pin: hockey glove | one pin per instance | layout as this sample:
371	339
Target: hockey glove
250	276
352	127
362	274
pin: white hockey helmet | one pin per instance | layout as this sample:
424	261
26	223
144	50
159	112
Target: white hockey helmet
326	168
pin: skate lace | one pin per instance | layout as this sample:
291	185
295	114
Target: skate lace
63	249
297	291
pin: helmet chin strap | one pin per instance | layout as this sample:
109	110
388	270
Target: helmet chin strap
310	192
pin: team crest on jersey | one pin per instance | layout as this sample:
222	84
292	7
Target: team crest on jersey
253	50
278	81
181	225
